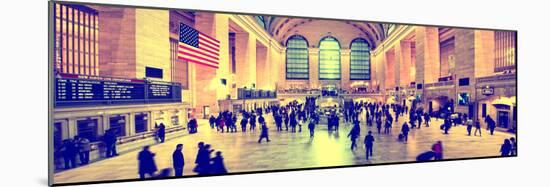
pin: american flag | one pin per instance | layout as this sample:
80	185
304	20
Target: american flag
197	47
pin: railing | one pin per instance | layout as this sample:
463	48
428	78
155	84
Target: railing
370	92
299	91
135	137
495	78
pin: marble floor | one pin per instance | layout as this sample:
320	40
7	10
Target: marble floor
242	152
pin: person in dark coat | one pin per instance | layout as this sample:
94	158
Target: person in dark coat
514	150
218	122
278	122
252	122
506	148
218	167
427	119
491	124
419	119
369	143
353	135
469	125
405	131
203	159
178	160
146	163
387	127
478	128
293	122
162	132
198	160
311	127
447	124
212	121
379	125
83	148
68	151
264	134
109	139
244	121
286	119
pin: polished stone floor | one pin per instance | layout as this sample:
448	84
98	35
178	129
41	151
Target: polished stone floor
289	150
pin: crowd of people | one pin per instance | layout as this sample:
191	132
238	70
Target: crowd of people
80	147
205	164
71	148
509	147
378	118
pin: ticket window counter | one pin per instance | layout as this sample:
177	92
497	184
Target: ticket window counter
141	121
175	120
118	124
88	128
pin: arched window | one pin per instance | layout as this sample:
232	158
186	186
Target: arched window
297	60
329	59
359	60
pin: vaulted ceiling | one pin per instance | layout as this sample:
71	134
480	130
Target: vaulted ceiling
283	27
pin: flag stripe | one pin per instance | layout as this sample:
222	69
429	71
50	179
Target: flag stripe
214	48
192	49
198	57
216	44
208	49
203	50
208	37
197	60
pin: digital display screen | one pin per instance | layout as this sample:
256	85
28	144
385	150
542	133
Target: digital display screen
85	90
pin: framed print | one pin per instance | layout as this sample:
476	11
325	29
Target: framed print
143	93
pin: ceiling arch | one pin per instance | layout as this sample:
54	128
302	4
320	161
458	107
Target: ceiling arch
283	27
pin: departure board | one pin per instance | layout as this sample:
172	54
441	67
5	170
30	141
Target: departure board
74	90
159	91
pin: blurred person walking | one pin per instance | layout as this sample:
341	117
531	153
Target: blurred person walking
146	163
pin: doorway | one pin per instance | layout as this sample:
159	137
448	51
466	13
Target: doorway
503	119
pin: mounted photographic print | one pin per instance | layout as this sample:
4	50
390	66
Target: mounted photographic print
140	93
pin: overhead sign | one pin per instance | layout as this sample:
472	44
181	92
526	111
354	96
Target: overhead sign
488	91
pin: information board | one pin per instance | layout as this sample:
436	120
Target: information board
72	90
